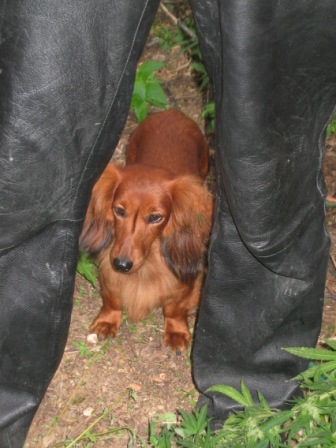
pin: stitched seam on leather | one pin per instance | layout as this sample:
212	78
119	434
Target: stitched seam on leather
111	105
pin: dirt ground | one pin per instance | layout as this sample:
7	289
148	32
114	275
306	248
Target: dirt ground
110	391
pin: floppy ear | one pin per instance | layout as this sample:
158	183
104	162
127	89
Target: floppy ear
97	231
187	231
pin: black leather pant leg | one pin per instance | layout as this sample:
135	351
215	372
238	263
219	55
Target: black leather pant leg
66	76
274	70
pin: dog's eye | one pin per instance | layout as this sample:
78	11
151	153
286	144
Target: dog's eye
154	218
119	211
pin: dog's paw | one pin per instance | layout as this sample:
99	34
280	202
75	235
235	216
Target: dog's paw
177	341
104	329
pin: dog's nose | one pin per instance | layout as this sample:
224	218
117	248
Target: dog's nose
122	264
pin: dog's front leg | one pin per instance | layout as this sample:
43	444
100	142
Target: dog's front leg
109	319
177	334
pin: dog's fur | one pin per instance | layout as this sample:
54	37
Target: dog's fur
148	225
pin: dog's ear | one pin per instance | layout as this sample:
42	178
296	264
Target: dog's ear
97	232
187	231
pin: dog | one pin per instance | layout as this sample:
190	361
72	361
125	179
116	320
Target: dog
148	225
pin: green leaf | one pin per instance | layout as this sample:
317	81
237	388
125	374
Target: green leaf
263	401
139	88
331	343
230	392
246	393
312	353
147	89
155	94
140	108
279	418
86	268
147	68
198	67
331	128
168	417
311	371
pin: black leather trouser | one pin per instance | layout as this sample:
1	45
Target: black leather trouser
274	70
66	75
67	70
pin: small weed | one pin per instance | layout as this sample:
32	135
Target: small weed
132	327
202	73
82	291
168	37
208	114
147	90
132	394
84	351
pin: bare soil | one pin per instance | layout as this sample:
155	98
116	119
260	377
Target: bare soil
112	390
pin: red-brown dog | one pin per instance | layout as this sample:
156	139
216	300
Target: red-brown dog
148	225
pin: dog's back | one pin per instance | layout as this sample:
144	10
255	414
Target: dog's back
172	141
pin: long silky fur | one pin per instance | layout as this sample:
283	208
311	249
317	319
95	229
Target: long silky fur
183	255
185	238
97	233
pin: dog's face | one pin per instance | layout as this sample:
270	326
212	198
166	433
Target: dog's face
132	207
141	208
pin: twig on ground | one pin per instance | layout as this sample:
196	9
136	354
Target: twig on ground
178	22
333	261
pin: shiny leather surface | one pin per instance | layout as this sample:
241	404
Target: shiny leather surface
66	73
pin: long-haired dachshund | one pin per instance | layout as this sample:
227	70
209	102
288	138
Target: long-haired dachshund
148	225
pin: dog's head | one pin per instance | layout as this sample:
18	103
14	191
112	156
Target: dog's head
132	207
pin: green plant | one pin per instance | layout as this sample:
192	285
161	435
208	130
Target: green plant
86	268
208	114
331	128
147	89
309	422
203	76
168	37
82	290
189	430
190	46
83	349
